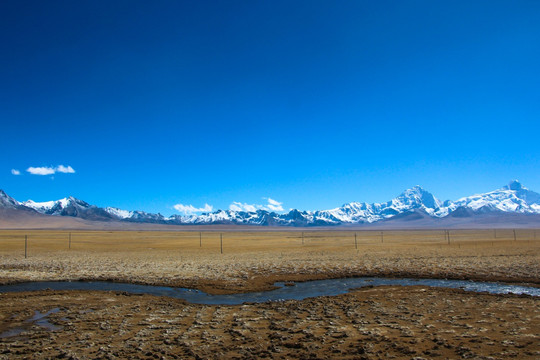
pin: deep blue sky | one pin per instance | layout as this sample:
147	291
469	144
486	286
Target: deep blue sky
311	103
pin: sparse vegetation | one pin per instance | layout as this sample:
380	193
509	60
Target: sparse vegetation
253	260
386	322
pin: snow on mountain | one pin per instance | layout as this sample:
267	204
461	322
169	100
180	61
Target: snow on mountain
142	216
55	207
223	217
69	206
411	199
416	198
7	201
45	206
513	198
119	213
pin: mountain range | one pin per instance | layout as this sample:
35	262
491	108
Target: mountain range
414	204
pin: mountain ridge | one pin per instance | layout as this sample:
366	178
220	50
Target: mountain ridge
414	203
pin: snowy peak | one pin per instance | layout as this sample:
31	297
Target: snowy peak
69	206
416	197
513	197
523	193
514	185
40	207
7	201
52	207
122	214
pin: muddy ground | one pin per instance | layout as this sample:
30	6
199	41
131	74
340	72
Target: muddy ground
372	323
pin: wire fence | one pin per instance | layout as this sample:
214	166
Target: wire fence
36	241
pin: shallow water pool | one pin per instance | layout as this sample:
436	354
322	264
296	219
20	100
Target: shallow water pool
299	291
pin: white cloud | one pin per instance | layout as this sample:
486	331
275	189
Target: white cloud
15	172
65	169
190	209
272	205
238	206
45	170
41	170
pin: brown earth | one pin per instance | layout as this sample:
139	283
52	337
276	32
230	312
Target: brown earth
374	323
390	322
254	260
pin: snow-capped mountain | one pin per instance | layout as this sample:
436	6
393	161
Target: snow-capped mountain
411	199
7	201
69	206
511	198
49	207
413	203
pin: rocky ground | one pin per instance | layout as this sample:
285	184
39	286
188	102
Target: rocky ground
373	323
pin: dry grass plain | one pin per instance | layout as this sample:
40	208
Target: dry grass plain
365	324
254	260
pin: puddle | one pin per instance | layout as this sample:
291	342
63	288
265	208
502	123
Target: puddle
12	332
299	291
39	319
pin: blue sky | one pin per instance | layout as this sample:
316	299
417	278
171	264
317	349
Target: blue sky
309	103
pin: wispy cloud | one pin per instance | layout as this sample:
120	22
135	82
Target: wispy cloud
65	169
190	209
272	205
46	170
238	206
15	172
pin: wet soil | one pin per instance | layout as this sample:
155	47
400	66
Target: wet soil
370	323
266	282
257	282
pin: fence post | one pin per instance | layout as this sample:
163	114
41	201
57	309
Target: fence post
302	238
25	246
221	241
69	247
514	230
200	238
448	234
382	237
355	242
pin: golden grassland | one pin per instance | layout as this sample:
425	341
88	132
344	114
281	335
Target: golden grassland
251	260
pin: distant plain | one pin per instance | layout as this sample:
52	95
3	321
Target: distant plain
247	260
